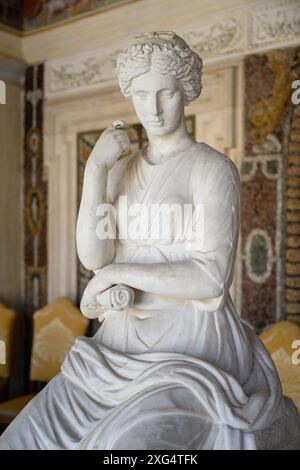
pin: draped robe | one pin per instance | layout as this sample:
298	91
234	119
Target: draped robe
168	373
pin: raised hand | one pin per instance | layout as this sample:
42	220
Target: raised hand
111	145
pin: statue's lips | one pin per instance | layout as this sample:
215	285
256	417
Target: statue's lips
155	123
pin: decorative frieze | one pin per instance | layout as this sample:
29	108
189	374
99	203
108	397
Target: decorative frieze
219	37
269	24
80	71
253	27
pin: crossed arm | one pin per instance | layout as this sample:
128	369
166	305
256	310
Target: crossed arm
180	279
204	272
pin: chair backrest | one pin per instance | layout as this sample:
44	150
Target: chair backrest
55	328
280	336
282	341
7	324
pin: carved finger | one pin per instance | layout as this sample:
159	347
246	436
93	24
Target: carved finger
91	311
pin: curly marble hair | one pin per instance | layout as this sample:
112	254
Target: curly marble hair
169	57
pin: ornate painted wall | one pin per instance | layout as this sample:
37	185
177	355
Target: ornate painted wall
35	193
28	15
270	230
11	13
39	13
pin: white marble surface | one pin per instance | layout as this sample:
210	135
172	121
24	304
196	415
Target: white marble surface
172	365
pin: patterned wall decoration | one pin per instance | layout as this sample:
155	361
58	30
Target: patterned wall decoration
35	193
270	230
85	144
28	15
40	13
11	13
292	232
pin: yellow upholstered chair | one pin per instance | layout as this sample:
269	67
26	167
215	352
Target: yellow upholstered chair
55	328
7	324
279	339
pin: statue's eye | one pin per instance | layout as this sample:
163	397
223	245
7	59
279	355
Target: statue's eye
141	94
167	94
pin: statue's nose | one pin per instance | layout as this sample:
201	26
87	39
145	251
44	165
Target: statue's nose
154	109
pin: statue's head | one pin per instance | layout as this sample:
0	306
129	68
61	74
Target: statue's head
161	75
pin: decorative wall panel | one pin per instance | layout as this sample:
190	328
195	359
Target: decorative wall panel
270	227
35	193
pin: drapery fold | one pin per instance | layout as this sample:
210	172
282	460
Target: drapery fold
168	373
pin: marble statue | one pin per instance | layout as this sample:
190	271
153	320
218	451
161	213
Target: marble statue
172	365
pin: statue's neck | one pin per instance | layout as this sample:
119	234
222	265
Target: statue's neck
162	147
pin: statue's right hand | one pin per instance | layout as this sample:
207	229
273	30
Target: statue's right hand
109	147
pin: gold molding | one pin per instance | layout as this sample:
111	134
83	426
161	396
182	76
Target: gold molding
9	30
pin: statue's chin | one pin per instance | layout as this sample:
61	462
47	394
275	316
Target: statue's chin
160	130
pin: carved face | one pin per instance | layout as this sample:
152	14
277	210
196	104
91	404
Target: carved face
158	101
